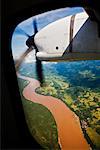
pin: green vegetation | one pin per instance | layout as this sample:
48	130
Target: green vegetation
94	136
77	84
54	86
84	102
40	122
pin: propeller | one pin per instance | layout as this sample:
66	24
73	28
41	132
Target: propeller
23	32
31	45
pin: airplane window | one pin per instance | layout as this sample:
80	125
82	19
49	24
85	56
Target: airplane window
56	57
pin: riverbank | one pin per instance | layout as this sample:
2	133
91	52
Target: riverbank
69	131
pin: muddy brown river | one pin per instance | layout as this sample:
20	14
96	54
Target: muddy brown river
70	135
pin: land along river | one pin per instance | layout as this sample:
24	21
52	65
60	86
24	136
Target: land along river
70	135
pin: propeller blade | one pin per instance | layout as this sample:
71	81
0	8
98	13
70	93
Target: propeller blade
39	71
23	32
20	60
35	26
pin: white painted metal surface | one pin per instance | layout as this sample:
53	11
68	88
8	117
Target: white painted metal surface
53	40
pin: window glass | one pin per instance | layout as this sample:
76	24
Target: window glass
63	111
